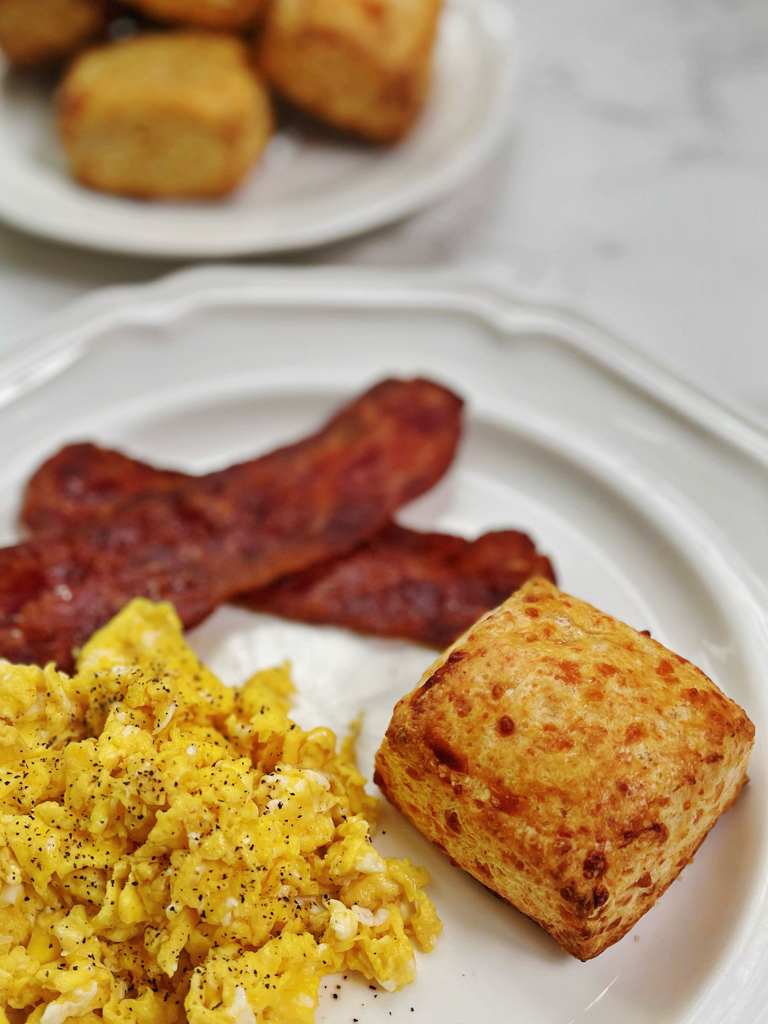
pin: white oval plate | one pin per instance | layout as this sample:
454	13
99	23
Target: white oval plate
308	190
650	498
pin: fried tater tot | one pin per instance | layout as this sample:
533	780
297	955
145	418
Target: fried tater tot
35	32
166	115
361	65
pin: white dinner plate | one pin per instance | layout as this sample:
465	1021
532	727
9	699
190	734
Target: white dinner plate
650	498
308	189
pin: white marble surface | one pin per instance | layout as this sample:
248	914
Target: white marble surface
635	185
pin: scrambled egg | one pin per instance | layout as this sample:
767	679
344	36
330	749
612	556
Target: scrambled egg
172	849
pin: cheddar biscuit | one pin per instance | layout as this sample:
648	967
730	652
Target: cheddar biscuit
361	65
179	114
568	762
217	14
36	32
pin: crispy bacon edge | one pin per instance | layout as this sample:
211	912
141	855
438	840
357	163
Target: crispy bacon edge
230	531
425	587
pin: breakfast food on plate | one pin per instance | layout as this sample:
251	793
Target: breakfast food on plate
231	531
36	32
361	65
183	114
568	762
427	587
172	849
164	115
216	14
85	483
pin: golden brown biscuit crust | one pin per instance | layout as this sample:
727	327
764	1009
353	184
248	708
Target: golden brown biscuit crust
568	762
361	65
175	114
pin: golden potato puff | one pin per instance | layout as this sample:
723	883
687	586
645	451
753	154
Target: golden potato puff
360	65
171	115
215	14
34	32
568	762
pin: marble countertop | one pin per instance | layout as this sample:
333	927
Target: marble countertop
635	186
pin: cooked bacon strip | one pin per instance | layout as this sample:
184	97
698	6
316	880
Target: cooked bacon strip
83	483
428	587
230	531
